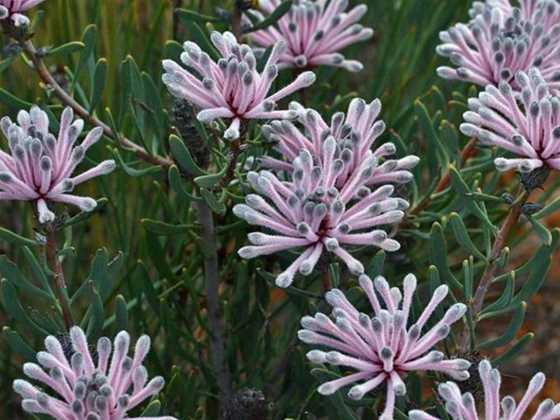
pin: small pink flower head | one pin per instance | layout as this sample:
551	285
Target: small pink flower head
231	88
14	9
315	32
463	406
89	386
382	348
315	212
501	40
354	133
526	124
39	166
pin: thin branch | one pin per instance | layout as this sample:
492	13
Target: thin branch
217	343
51	251
47	78
489	273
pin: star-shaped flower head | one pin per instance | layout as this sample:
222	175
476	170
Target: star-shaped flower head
86	386
527	124
314	31
314	212
231	88
14	9
381	347
502	40
39	166
463	406
355	133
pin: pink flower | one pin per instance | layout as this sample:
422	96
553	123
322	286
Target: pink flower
313	211
39	166
501	40
314	31
463	406
355	134
525	124
382	349
88	390
13	9
231	88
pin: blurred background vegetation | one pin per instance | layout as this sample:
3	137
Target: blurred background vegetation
157	270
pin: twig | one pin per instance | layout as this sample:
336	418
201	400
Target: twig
217	345
68	100
236	20
490	271
55	266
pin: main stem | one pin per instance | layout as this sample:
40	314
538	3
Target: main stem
68	100
51	251
217	344
490	272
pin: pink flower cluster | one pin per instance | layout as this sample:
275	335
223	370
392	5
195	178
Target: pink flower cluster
525	124
314	31
14	9
463	406
231	88
501	40
39	166
89	386
382	348
355	134
318	196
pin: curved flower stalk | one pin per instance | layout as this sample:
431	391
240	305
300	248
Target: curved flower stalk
14	9
89	386
315	32
382	348
315	212
231	88
463	406
527	125
501	40
354	132
40	166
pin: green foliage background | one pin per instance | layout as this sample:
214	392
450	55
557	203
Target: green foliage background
143	252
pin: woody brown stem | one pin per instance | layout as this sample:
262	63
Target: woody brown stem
490	272
47	78
61	291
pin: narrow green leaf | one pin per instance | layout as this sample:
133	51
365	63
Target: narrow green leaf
541	230
99	80
183	157
165	229
13	101
152	409
513	351
511	330
271	19
439	255
213	202
506	297
176	182
66	49
130	171
463	237
15	310
18	344
15	239
193	16
121	313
